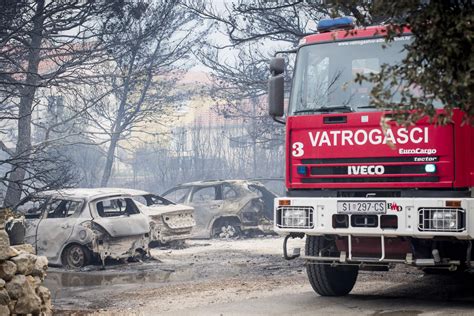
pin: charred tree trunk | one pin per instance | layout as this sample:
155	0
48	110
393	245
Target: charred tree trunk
254	138
23	146
109	160
254	153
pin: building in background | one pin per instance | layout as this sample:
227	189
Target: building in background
198	143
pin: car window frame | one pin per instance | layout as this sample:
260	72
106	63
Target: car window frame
162	199
202	187
228	185
125	214
76	214
185	196
28	199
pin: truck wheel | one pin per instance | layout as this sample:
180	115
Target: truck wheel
327	280
75	256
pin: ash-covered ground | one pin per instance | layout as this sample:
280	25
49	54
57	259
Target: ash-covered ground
248	277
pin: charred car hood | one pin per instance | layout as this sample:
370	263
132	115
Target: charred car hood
124	225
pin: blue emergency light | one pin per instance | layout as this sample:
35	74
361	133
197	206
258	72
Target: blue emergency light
302	170
327	25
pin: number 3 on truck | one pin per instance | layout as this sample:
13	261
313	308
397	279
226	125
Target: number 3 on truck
297	149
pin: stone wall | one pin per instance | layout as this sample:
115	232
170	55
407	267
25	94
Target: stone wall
21	275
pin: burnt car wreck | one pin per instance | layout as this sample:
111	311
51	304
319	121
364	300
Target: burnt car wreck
169	222
226	209
74	227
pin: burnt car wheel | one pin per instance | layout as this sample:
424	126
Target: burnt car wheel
76	256
139	256
226	229
327	280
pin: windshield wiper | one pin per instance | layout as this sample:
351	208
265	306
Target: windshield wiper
342	108
367	107
306	111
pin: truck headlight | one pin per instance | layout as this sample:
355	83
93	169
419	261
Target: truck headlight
444	220
295	217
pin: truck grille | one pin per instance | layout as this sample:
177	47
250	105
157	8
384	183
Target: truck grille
404	169
318	161
395	169
370	179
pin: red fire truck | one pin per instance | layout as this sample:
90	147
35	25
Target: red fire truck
366	195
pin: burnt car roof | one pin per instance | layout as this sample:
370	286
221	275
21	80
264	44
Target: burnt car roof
90	193
216	182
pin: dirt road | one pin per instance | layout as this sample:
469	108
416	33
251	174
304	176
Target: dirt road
246	277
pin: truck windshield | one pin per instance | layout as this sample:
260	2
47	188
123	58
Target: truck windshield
325	73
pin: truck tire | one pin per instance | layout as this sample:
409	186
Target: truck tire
327	280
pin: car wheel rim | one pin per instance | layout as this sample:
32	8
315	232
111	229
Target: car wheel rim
76	257
227	231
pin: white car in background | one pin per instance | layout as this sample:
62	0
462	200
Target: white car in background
169	222
71	227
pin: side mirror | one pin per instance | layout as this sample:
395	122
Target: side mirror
276	96
277	66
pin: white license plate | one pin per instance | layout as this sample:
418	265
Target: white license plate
362	207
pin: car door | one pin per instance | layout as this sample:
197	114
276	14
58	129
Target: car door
32	208
120	217
56	226
231	200
207	205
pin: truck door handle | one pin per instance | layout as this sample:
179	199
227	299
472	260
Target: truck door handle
65	226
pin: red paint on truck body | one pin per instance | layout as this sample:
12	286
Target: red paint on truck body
328	155
353	151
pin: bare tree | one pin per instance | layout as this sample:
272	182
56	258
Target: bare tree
256	30
247	22
239	93
43	44
157	38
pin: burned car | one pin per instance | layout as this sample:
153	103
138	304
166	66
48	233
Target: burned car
73	226
169	222
226	208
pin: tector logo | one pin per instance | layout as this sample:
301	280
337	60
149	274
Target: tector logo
365	170
394	207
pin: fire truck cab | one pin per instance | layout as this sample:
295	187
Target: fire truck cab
365	192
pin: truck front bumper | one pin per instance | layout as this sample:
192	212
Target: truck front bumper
411	217
402	221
